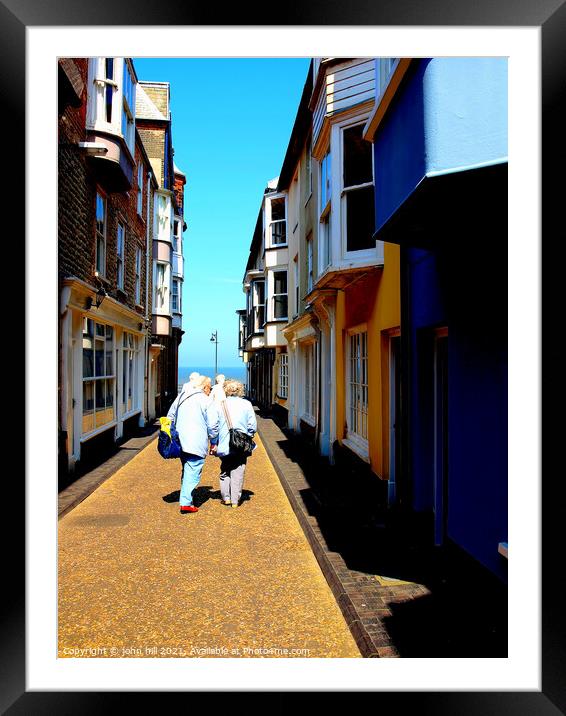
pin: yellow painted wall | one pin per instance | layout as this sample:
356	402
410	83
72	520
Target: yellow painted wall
374	300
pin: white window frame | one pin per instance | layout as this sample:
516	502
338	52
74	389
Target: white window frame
297	284
384	70
128	113
98	378
175	294
129	383
283	390
97	259
138	275
355	440
164	289
309	374
369	253
273	295
308	171
270	223
140	190
120	255
310	267
256	327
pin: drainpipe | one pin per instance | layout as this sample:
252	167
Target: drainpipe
147	316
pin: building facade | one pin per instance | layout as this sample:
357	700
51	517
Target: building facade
153	119
395	360
105	195
118	207
439	130
267	299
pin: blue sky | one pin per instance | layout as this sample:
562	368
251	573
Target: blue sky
231	122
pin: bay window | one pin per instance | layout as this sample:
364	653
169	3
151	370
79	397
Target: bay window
357	190
278	222
279	295
161	296
128	106
175	306
98	375
258	306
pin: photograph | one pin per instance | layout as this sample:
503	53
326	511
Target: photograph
280	332
283	382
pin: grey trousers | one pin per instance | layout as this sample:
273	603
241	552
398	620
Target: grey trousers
232	478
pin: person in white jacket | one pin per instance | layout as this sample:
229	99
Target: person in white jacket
218	393
242	416
196	421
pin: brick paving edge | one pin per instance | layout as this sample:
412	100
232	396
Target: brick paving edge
361	636
89	487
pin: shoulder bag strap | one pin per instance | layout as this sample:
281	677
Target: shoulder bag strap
227	414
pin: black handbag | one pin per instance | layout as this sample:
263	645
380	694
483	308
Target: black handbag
241	444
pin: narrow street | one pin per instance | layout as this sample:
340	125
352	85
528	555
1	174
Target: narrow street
137	578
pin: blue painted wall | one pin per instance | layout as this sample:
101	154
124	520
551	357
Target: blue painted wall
450	113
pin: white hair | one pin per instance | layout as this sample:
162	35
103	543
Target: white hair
220	378
200	381
192	378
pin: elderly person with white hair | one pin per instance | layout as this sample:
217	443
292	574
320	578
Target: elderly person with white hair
196	421
218	393
238	412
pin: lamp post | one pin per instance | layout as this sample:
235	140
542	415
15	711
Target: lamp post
214	339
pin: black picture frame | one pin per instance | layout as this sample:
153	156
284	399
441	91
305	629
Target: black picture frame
550	16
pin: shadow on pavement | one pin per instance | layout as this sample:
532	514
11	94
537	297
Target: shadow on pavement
465	613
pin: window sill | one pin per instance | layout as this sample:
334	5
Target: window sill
360	450
308	198
308	419
130	414
97	431
274	247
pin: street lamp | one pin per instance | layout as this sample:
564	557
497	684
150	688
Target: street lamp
214	339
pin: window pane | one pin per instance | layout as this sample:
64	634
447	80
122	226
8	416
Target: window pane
357	157
124	376
360	219
109	353
88	349
278	209
110	394
88	407
279	232
280	282
99	358
280	306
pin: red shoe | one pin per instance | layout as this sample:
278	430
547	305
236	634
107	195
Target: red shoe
188	508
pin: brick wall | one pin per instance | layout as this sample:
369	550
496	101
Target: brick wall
153	137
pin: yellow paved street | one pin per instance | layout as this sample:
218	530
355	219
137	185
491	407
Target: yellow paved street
138	579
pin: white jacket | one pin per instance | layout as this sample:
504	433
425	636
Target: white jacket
197	420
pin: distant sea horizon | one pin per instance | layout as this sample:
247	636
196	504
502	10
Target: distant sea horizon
238	372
